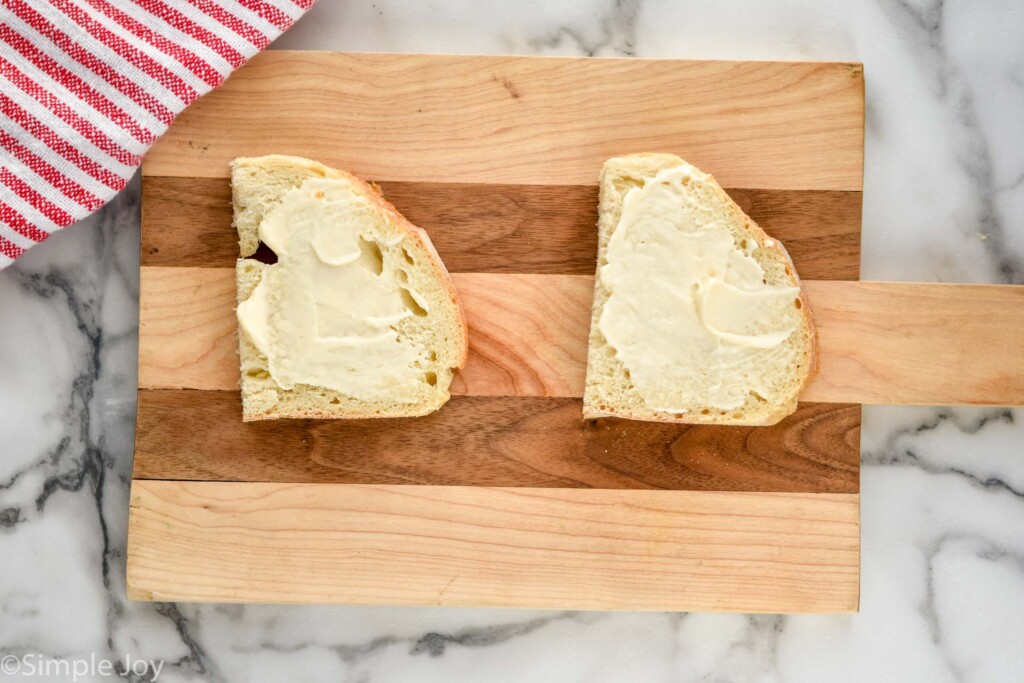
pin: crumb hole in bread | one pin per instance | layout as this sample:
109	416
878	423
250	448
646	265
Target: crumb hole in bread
257	373
758	397
371	256
430	378
408	257
680	416
411	304
705	412
798	304
335	401
264	254
403	276
432	355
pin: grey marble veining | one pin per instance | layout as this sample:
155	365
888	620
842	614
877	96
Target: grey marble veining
942	489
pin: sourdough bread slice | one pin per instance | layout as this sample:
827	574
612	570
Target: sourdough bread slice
698	315
382	363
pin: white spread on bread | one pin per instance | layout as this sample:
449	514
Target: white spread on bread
324	314
689	314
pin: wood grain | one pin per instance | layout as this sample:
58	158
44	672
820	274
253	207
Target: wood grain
481	228
495	441
493	547
506	497
528	121
920	344
187	326
878	342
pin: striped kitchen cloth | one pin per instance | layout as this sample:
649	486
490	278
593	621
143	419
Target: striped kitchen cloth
86	86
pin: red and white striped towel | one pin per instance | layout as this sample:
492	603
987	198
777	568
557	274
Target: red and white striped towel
86	86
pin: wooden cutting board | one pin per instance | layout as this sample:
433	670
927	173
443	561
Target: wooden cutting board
507	497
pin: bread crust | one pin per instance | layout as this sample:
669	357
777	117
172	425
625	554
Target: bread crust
373	194
765	241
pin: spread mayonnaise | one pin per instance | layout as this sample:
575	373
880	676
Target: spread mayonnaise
688	312
324	314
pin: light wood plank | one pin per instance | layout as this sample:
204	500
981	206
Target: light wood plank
919	344
493	547
928	344
187	328
185	434
528	120
502	228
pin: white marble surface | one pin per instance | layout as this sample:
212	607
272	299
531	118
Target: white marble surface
942	489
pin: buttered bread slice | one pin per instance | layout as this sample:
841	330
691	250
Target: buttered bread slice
698	315
357	318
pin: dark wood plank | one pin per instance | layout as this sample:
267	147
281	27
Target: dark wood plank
502	228
495	441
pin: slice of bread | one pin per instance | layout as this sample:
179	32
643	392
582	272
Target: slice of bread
685	369
432	331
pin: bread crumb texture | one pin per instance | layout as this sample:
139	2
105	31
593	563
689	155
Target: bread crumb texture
761	389
433	323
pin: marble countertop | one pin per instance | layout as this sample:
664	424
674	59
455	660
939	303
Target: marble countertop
942	489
